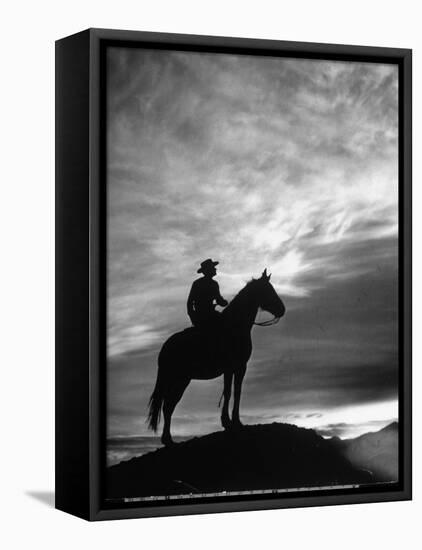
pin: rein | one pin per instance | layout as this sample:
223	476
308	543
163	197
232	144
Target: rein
268	323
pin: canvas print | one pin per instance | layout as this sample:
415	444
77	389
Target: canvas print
252	275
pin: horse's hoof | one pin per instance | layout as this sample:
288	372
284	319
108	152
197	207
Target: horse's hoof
226	423
236	425
166	440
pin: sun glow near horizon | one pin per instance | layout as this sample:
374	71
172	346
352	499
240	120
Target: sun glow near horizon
351	421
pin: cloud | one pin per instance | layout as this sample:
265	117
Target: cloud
133	337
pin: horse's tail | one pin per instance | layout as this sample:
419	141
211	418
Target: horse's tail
155	405
156	401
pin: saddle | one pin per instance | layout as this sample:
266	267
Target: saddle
204	339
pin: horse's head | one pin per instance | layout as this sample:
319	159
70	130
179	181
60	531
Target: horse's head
267	297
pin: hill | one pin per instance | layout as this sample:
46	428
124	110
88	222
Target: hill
375	451
268	456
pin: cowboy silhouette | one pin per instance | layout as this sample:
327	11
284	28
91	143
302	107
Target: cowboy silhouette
204	296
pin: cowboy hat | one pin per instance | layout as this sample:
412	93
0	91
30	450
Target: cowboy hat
206	265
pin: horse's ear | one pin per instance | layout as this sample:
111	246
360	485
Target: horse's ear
269	276
265	276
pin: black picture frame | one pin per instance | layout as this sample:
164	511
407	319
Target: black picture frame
81	271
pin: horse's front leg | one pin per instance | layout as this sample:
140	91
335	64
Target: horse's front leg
225	418
239	374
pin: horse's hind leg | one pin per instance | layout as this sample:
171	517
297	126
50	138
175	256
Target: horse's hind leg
225	418
173	396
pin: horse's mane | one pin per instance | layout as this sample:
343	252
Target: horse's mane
241	295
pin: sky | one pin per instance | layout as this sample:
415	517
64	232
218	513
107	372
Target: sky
257	162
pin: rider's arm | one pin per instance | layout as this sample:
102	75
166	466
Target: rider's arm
219	299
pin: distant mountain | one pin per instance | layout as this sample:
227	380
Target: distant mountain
125	448
269	456
375	451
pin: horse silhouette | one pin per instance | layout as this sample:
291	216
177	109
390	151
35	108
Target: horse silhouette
189	355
